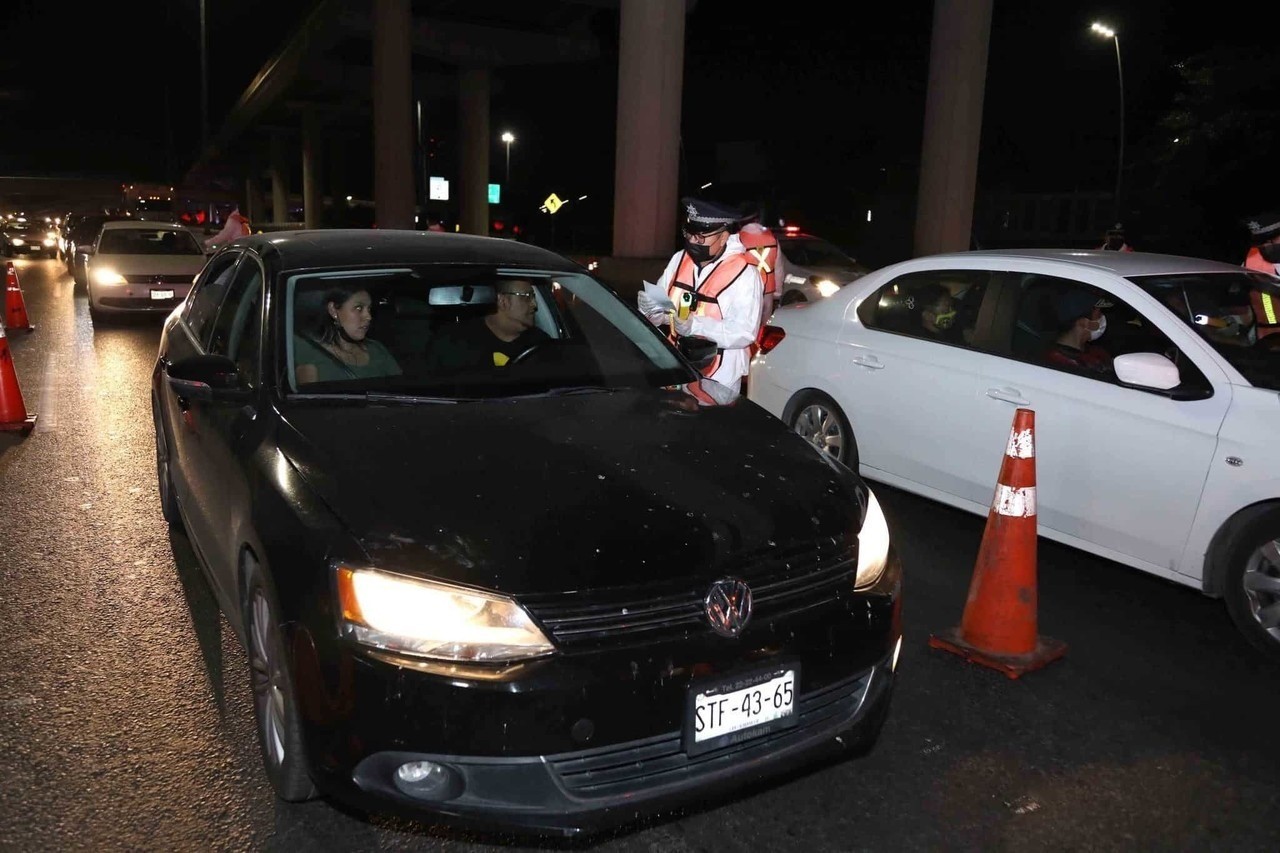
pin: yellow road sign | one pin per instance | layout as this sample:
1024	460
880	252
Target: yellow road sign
553	203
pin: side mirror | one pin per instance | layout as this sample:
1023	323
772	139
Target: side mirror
1148	370
207	377
699	351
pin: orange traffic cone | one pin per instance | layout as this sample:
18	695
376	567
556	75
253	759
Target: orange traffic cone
998	628
13	414
15	309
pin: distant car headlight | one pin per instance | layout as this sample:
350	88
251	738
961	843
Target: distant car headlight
435	620
827	287
107	277
18	241
873	544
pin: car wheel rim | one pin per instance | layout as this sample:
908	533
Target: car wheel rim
821	428
1261	582
268	679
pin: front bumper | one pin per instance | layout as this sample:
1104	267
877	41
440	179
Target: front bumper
583	742
137	298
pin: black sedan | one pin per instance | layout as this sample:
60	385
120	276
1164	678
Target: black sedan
551	588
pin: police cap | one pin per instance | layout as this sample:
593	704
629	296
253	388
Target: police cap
1264	226
704	217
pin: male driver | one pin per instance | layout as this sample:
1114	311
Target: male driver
495	339
1080	323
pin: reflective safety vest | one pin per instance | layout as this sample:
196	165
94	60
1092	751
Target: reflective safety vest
1254	261
703	300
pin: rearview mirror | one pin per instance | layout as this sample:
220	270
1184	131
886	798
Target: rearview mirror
1147	369
207	377
699	351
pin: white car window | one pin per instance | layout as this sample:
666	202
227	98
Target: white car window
939	305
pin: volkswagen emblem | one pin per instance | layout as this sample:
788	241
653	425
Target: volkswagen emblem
728	606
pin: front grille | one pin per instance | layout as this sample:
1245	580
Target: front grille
661	759
159	279
782	585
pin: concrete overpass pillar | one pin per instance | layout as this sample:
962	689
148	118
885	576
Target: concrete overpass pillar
279	179
312	191
392	114
474	145
254	205
952	125
647	167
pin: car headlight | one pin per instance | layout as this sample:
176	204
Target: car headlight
873	544
18	241
827	287
107	277
435	620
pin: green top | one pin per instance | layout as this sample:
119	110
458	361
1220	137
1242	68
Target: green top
329	368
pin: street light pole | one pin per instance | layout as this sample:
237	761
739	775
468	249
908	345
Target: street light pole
508	138
1107	32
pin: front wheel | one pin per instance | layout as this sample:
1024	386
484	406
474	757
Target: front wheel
164	474
817	418
275	706
1251	586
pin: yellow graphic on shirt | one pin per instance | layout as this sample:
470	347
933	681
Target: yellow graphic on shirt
500	359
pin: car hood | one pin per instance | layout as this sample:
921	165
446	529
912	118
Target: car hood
150	264
551	494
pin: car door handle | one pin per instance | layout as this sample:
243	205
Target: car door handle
868	361
1009	395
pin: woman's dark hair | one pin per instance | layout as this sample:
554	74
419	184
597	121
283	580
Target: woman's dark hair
326	330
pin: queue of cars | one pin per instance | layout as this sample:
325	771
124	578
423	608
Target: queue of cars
459	596
1159	459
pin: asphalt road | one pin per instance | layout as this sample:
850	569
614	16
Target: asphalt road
126	722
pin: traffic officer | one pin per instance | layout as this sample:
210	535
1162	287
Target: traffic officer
1264	254
1114	240
715	288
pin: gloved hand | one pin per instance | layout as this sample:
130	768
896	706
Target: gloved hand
649	308
684	327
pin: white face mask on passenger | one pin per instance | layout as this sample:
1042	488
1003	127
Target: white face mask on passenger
1094	334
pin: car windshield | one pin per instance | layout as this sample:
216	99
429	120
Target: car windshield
1237	313
812	252
429	332
147	241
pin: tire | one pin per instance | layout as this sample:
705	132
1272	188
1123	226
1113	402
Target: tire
791	297
164	476
1251	583
817	418
275	708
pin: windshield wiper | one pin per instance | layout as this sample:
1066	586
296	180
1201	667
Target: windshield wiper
565	392
387	397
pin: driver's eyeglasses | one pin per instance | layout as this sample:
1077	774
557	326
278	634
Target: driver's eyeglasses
521	295
701	238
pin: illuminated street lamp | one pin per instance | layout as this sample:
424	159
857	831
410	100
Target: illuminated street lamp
1107	32
508	137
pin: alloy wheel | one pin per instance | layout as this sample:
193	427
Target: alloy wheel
268	679
821	428
1261	583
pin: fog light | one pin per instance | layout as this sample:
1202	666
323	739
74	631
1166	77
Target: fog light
427	780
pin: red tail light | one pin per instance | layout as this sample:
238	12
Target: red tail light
770	338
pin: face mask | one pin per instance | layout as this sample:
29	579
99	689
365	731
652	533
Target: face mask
700	252
944	321
1270	252
1102	327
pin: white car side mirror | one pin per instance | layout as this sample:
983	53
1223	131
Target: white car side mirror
1148	369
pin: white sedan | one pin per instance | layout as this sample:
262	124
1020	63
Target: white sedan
143	267
1154	381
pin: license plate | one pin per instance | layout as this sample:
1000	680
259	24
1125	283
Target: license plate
162	294
739	707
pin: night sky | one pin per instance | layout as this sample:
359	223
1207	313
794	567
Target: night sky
824	108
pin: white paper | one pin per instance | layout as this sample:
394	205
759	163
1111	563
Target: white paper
661	301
